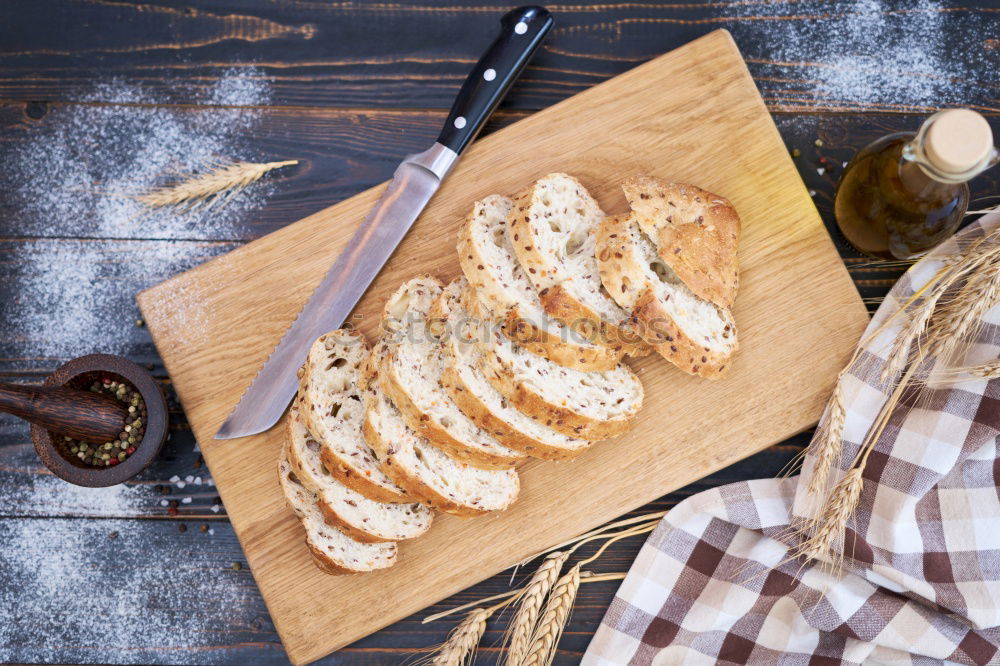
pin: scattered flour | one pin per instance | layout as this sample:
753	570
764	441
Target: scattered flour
86	610
77	174
51	496
868	52
77	297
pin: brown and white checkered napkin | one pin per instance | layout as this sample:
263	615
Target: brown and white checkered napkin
715	582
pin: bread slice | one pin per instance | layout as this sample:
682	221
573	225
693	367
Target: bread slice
439	480
695	334
411	375
351	512
333	551
329	401
553	225
491	267
584	405
477	398
696	234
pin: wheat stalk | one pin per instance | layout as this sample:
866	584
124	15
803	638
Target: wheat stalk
545	640
216	185
535	592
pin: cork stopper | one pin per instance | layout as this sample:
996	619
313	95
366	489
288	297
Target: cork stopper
958	140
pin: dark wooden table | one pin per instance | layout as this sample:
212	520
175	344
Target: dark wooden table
93	93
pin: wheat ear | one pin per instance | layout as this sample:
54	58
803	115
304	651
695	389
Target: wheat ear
530	605
829	444
460	646
214	186
961	317
831	523
545	640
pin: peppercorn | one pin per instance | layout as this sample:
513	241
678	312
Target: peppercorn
237	566
104	454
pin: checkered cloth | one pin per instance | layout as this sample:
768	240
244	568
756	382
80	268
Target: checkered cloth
715	582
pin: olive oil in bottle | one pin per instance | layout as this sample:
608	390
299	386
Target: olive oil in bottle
905	193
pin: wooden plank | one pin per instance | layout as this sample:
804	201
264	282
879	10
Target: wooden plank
229	622
214	326
344	152
804	54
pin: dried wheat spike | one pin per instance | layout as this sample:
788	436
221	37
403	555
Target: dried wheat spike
545	641
460	648
523	625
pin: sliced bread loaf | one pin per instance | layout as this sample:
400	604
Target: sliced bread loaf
695	232
425	471
329	400
352	513
411	376
491	267
553	225
333	551
584	405
696	335
477	398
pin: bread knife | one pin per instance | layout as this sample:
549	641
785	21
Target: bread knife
415	181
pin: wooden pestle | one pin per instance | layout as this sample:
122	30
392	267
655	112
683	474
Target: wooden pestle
85	415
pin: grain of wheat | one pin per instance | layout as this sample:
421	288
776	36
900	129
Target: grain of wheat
215	186
523	625
545	640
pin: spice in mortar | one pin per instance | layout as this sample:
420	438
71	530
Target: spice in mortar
105	454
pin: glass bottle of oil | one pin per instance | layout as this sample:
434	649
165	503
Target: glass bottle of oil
904	193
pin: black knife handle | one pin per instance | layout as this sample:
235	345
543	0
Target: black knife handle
521	33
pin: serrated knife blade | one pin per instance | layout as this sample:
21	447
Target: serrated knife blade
416	180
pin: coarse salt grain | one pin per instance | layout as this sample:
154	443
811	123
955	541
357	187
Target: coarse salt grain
186	500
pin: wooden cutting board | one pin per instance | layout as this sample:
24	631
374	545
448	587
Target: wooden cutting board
692	115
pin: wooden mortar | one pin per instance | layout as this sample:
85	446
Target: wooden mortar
80	373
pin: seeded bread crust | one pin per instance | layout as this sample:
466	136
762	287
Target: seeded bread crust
477	398
552	227
410	376
428	473
696	335
491	266
332	551
351	512
411	460
322	383
696	233
519	379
